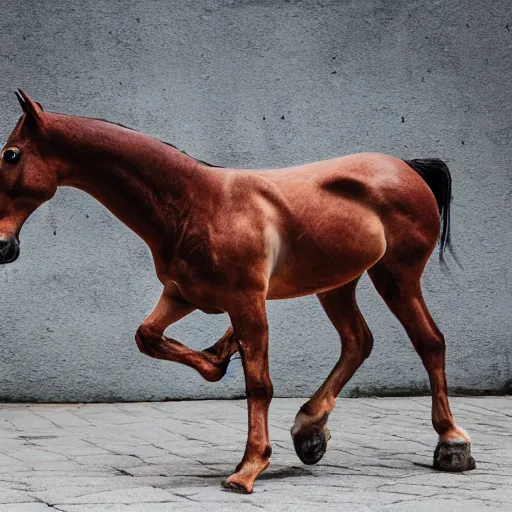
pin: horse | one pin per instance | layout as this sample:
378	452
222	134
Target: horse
226	240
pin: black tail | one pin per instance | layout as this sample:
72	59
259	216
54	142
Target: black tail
437	176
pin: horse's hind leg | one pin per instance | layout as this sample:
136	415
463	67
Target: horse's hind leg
309	431
399	286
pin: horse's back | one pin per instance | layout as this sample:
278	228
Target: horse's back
360	185
350	175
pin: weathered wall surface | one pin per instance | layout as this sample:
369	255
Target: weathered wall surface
410	78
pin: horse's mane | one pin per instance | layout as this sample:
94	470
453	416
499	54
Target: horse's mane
163	141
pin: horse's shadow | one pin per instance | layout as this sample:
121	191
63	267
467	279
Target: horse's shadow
288	472
270	474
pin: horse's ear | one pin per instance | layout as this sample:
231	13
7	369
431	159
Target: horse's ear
31	108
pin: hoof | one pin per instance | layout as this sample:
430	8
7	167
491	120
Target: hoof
310	445
453	457
235	487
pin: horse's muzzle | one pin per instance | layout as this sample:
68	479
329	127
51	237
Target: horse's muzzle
9	250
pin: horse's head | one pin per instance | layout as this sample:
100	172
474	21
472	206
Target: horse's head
28	175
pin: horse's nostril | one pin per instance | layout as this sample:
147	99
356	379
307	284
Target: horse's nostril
5	248
9	250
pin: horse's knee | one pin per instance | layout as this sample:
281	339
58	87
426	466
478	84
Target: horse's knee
260	390
142	337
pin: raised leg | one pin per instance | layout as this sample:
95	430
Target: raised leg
251	333
309	431
401	291
224	348
211	363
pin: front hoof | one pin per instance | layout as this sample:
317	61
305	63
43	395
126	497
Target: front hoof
453	457
310	445
234	486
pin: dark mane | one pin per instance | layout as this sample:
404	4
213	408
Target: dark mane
163	141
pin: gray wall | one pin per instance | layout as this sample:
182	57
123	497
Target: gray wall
410	78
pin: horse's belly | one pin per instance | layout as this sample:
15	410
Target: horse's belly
326	258
286	289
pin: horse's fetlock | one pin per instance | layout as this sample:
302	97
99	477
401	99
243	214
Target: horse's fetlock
442	426
256	452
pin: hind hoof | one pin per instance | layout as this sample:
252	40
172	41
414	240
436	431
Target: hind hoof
310	445
453	457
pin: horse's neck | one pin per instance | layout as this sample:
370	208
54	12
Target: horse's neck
149	186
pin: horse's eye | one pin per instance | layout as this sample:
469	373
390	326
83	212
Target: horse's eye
11	155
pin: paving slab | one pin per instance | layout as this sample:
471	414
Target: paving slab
171	456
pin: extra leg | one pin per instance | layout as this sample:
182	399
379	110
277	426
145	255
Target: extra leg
251	331
309	431
211	363
402	294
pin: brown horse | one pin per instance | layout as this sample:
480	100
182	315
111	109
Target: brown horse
226	240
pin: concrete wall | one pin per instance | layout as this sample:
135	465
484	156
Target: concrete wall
410	78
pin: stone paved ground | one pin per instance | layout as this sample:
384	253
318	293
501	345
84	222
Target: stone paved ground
155	457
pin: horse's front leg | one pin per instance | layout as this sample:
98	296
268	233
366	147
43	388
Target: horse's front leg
224	348
211	364
249	321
